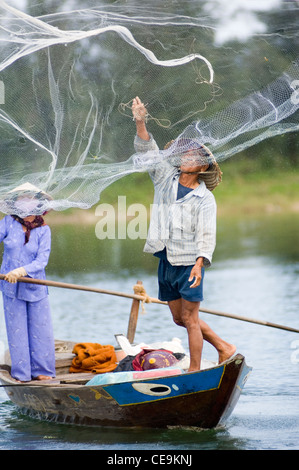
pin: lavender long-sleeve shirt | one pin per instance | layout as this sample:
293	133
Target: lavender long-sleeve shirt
33	257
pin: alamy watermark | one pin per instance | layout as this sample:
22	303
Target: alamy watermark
132	221
121	222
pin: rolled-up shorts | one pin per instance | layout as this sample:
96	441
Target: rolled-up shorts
174	284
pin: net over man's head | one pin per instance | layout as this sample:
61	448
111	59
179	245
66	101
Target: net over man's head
190	152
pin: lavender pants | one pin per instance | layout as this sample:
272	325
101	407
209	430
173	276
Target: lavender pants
30	338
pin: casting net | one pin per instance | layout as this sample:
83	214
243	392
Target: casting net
226	76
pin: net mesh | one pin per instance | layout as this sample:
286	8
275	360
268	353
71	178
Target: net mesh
68	79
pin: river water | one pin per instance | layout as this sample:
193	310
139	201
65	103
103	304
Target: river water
254	274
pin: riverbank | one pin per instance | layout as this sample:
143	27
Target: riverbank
245	190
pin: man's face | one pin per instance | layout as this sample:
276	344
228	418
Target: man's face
192	162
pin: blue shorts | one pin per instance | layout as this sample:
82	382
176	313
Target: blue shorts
174	284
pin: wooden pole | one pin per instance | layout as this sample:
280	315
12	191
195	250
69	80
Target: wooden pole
65	285
133	318
250	320
148	299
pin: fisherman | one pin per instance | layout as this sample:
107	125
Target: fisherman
182	232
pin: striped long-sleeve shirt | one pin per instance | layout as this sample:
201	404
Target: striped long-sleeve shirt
186	226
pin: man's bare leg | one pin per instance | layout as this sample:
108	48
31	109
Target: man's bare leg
225	350
185	313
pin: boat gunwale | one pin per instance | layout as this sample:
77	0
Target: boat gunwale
65	384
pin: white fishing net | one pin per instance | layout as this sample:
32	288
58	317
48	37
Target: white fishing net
70	69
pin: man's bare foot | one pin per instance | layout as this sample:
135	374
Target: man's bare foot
227	352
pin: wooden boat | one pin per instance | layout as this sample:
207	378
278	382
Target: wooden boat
202	399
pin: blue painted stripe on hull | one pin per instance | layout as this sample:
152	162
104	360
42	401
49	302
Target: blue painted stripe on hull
170	387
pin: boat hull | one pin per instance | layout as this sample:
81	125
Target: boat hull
202	399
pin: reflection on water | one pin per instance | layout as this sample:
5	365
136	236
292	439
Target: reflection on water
254	274
75	249
274	236
55	436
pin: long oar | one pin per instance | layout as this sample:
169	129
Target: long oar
250	320
66	285
145	298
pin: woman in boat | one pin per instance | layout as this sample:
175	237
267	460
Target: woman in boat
27	246
182	230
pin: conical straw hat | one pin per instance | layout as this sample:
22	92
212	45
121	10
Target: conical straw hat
28	188
213	175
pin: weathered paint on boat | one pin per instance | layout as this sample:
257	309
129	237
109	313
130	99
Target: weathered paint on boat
201	399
